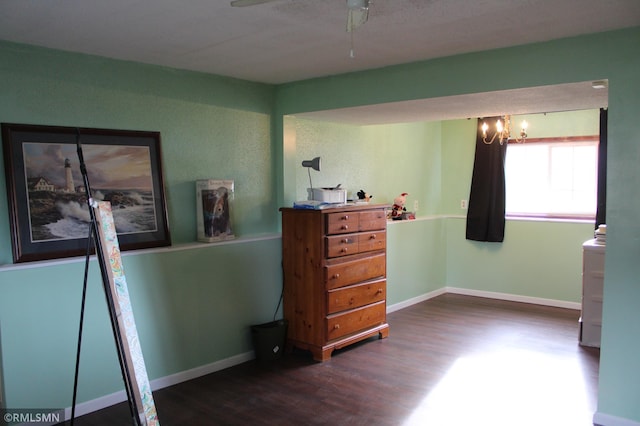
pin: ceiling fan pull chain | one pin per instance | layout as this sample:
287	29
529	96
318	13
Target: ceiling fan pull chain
351	54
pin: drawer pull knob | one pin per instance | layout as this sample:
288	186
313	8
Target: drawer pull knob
379	291
373	237
345	226
345	217
345	241
337	326
344	250
336	276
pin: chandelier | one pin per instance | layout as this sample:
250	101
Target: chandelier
503	132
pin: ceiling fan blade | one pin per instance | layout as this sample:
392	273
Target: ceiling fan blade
244	3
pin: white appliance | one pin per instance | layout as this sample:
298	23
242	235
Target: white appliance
328	195
592	292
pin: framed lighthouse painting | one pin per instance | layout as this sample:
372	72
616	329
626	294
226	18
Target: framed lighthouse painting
47	197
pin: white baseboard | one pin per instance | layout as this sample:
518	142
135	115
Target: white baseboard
487	294
162	382
414	300
203	370
515	298
602	419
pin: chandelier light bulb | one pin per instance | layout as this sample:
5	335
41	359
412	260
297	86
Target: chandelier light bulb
503	131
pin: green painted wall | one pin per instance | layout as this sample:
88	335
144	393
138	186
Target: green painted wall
218	127
458	147
211	127
536	259
193	306
434	164
384	160
416	258
458	152
610	55
556	124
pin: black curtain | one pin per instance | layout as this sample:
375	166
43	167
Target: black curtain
486	213
601	209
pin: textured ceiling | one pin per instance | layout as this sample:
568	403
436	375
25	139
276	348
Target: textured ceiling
532	100
289	40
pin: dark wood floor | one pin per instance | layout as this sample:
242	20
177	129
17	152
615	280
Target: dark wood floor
452	360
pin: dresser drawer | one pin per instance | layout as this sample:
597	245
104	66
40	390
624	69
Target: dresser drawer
341	274
356	295
342	245
352	321
375	219
370	241
346	244
342	223
593	262
592	307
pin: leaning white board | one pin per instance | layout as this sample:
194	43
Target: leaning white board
133	359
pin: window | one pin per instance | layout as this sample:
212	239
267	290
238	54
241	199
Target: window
552	177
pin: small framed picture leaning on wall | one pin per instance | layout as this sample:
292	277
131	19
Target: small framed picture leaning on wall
214	200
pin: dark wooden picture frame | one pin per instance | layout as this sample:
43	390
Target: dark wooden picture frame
48	211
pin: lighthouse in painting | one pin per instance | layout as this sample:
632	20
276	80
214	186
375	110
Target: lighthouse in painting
69	186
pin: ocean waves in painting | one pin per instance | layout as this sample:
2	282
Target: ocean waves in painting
67	217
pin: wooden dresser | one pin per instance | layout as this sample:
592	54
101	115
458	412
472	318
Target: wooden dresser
334	267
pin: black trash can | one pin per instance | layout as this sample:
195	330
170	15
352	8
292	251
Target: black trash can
269	340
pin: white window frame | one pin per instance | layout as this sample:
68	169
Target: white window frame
591	140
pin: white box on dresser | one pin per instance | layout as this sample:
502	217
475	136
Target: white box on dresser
592	292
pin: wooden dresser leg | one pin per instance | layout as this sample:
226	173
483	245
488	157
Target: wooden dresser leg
321	354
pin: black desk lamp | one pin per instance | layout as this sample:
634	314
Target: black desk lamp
311	164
